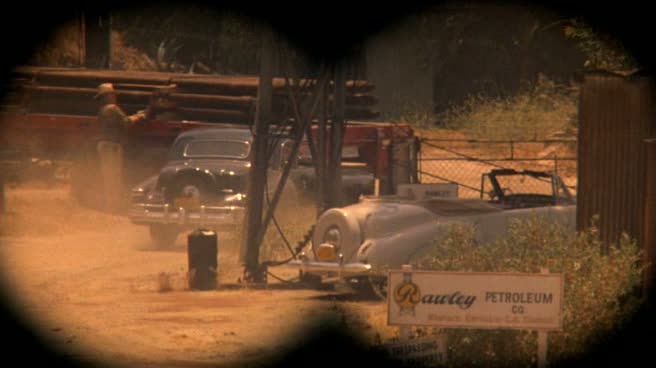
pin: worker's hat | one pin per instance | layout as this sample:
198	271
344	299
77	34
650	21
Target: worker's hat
104	89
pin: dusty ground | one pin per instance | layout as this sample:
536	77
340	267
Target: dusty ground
91	284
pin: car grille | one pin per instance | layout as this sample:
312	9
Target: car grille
230	182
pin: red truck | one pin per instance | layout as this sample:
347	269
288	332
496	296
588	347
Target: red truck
50	113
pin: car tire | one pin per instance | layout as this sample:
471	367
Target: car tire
163	236
379	286
311	280
369	287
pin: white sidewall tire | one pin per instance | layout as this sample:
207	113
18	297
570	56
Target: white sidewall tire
349	231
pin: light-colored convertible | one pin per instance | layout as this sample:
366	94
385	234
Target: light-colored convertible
386	232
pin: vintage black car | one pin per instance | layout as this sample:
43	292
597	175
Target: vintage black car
204	183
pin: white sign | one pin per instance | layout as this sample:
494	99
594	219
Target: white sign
423	352
428	191
475	300
350	152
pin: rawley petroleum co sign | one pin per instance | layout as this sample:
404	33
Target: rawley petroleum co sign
476	300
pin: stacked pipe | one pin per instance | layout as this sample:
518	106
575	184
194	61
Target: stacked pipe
222	99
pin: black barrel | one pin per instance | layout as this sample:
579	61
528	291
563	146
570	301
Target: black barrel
202	249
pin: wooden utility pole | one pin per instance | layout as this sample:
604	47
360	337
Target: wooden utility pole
3	208
321	153
250	254
334	172
297	138
81	40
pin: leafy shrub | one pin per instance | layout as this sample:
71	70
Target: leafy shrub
537	112
597	297
601	49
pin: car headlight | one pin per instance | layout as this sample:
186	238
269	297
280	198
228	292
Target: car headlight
328	249
326	252
235	197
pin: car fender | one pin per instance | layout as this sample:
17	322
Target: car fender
348	226
146	185
402	247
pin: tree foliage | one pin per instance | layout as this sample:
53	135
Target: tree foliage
598	295
193	38
602	50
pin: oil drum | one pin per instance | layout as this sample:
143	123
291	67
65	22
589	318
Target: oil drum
202	251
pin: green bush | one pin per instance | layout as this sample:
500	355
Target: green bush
537	112
598	288
602	50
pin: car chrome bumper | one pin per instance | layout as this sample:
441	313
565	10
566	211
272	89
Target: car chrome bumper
142	213
346	269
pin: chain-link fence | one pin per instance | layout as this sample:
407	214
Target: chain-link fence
464	162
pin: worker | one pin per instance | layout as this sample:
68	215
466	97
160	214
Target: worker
115	126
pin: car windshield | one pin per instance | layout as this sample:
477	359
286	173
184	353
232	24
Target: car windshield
217	148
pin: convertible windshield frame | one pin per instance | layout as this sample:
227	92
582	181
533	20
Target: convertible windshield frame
558	187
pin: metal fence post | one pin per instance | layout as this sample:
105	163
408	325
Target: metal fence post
556	164
419	161
405	331
542	338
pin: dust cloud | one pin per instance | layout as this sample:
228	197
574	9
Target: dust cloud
91	284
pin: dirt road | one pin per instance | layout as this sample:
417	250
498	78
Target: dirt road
91	283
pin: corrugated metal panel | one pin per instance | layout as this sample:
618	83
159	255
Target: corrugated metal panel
650	216
615	116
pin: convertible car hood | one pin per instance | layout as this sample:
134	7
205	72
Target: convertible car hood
393	230
420	232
